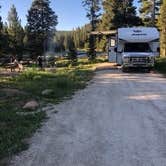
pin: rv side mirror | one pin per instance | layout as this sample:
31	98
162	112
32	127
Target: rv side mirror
115	49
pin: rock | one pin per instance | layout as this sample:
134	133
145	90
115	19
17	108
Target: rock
9	92
47	92
32	105
37	77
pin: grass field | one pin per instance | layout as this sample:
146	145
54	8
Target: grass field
81	61
16	91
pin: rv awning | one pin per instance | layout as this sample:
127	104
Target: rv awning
104	33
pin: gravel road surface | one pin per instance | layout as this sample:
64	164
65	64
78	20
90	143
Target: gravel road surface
118	120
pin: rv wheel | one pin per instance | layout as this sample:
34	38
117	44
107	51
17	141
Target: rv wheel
148	70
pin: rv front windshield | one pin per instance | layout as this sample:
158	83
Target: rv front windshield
137	47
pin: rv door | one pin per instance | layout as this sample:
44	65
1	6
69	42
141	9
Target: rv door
112	55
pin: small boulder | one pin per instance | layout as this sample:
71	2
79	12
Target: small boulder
47	92
31	105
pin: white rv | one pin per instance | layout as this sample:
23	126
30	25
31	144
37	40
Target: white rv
136	47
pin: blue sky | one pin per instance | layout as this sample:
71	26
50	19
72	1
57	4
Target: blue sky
70	13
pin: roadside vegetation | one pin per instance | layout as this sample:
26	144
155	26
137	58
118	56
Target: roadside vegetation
160	65
17	90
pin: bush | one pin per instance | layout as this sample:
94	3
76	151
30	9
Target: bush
160	65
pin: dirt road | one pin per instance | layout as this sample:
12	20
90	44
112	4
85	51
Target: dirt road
118	120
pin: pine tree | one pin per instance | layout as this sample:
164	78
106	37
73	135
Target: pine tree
59	42
42	22
4	36
67	37
93	9
0	22
148	10
72	54
5	39
25	40
15	32
119	13
162	26
1	33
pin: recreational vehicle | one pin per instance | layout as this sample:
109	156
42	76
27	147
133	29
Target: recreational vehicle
135	47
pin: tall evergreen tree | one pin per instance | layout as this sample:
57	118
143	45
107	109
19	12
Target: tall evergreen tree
5	39
42	22
58	41
72	55
67	40
4	36
0	33
15	32
93	9
148	10
25	40
80	36
162	25
119	13
0	22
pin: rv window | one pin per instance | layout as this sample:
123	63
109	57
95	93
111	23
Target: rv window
137	47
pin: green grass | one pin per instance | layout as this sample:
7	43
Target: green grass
81	61
160	65
14	128
63	82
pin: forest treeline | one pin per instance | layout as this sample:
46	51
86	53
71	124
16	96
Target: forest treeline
40	35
